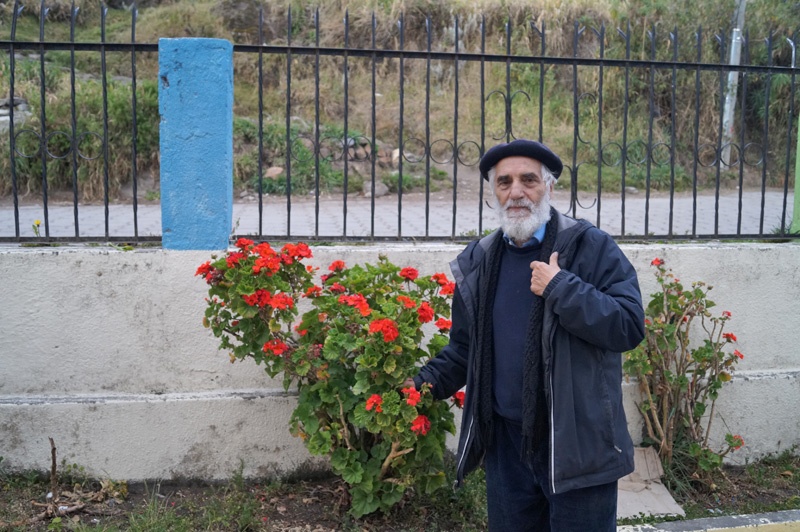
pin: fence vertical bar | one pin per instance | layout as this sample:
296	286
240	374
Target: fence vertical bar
104	86
742	124
346	140
718	152
765	143
672	140
455	129
43	118
508	82
400	146
696	159
541	85
650	116
602	36
73	118
260	121
483	120
135	131
373	150
316	123
427	153
289	122
624	154
575	115
789	132
11	135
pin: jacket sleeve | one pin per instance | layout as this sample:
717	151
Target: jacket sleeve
599	300
447	372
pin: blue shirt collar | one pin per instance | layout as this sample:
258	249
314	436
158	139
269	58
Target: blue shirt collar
538	236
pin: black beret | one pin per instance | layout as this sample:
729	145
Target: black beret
524	148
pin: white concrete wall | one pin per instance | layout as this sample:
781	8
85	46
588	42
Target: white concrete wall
104	351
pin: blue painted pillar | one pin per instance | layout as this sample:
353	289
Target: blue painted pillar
195	100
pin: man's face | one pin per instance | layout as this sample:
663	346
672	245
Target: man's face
522	197
519	178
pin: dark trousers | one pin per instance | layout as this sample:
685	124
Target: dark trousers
519	497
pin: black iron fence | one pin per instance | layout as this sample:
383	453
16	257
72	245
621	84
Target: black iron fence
378	137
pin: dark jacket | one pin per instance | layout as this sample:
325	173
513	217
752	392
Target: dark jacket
593	312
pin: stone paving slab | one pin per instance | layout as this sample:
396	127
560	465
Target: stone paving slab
707	215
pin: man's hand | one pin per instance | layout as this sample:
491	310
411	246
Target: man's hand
543	273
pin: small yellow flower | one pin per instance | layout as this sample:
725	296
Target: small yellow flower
37	222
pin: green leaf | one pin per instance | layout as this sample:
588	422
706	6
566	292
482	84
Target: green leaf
390	365
353	473
363	502
699	410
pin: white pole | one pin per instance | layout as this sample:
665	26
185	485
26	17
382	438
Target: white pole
730	97
733	84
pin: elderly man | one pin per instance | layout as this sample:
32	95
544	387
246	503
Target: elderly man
544	307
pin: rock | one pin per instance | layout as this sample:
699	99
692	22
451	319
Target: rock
273	172
380	189
631	190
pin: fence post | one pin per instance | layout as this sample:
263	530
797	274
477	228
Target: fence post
795	227
196	135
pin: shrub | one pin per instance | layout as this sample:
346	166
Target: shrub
348	356
680	379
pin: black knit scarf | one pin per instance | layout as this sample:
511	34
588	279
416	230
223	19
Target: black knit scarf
534	408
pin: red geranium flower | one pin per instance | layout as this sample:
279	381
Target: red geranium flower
412	395
264	249
281	301
729	336
726	314
275	347
421	425
739	354
440	278
425	312
336	266
656	262
271	263
448	289
358	301
375	400
336	287
408	273
204	269
260	298
296	251
406	301
234	258
444	324
736	442
458	399
244	243
385	326
314	291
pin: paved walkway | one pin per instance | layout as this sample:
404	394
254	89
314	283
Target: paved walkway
710	216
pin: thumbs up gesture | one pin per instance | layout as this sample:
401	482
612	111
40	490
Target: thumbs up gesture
542	273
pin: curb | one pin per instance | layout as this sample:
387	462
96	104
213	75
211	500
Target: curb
788	520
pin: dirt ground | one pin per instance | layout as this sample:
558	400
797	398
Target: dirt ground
320	504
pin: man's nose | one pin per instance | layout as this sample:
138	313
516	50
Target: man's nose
517	190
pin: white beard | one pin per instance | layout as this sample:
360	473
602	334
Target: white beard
520	227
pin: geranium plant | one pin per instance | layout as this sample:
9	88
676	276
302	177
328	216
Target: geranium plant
681	366
367	330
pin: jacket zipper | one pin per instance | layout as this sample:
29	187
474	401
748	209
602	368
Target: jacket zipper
464	450
552	438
